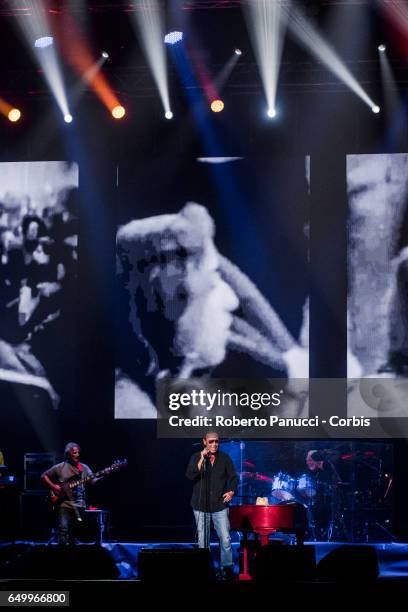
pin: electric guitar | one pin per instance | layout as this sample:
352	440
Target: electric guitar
67	486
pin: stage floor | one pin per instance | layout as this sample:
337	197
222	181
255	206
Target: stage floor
392	557
392	583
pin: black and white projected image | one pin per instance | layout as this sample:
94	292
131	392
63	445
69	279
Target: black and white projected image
185	307
38	275
378	281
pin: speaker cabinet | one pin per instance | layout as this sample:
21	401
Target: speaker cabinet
278	562
175	564
69	563
37	519
351	562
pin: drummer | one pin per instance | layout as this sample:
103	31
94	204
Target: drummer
314	461
323	469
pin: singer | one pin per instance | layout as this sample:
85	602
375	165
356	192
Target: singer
215	483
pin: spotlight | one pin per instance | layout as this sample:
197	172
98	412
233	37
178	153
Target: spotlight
14	115
271	112
68	118
43	42
376	109
237	51
168	115
118	112
382	48
217	106
173	37
105	55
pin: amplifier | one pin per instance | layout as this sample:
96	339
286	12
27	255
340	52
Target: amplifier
34	465
37	519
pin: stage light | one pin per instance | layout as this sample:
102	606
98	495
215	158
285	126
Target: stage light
382	48
217	106
168	115
173	37
267	24
118	112
105	55
44	42
148	23
14	115
376	109
237	51
271	113
68	118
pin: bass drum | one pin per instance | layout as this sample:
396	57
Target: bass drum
306	486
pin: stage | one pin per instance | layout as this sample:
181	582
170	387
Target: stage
204	299
393	581
392	557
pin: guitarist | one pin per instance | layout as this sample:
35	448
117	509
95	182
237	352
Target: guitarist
72	506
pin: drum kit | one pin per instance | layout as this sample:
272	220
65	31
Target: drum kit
336	510
283	487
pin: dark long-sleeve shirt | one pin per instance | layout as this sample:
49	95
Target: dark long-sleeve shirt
210	484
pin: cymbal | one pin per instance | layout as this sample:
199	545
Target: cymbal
263	477
358	454
256	476
247	474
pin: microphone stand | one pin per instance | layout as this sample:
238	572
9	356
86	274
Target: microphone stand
204	515
337	518
241	467
207	514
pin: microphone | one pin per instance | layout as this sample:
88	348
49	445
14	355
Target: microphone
205	457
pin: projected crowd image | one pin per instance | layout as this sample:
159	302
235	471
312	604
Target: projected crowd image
38	275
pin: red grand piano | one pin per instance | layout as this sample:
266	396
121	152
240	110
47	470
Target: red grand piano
264	520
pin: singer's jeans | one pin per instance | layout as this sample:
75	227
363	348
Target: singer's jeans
222	527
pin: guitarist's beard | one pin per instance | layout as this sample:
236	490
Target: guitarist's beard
75	463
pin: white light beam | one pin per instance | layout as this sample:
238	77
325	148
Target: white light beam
148	19
266	22
313	41
33	28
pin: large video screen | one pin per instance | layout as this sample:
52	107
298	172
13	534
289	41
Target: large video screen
377	186
38	279
212	274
